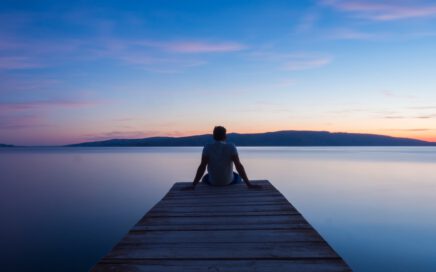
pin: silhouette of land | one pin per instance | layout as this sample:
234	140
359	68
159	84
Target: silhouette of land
278	138
5	145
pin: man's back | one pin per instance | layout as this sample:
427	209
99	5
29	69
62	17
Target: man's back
219	157
220	167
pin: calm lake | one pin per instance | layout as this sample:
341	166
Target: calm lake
62	209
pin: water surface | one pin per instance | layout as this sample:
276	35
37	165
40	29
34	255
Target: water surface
64	208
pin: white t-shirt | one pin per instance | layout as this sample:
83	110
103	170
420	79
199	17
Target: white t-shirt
220	166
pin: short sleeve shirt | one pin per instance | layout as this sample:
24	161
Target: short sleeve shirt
220	166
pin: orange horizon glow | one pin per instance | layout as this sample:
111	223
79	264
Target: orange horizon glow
72	136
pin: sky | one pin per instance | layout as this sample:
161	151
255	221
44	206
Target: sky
75	71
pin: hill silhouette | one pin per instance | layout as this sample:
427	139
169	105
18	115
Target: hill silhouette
5	145
278	138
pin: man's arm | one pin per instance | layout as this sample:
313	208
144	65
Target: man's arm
241	170
200	171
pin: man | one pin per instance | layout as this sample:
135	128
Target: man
219	157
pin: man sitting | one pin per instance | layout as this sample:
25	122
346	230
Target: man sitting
219	157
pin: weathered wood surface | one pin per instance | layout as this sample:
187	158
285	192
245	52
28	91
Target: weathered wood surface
227	229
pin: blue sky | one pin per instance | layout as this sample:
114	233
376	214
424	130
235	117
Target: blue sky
80	71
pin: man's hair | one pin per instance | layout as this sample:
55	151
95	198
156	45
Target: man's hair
219	133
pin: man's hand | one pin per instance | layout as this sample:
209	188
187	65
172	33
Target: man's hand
254	186
188	188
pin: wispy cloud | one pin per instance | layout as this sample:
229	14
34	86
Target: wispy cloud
397	95
119	134
158	64
409	129
32	53
264	106
307	22
44	104
295	61
131	134
384	10
32	114
423	107
22	83
21	121
17	62
284	83
305	62
195	46
351	111
394	117
351	34
426	116
152	55
429	116
398	114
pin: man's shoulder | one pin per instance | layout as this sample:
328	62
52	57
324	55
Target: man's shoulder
208	145
231	147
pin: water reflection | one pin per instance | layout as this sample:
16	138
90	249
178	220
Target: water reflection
375	206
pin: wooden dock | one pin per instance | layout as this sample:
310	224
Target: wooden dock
226	229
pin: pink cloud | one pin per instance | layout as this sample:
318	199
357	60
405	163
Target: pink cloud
136	134
305	62
200	47
307	22
284	83
383	10
18	63
159	64
19	106
295	61
350	34
20	53
7	44
153	55
21	121
396	95
23	83
195	47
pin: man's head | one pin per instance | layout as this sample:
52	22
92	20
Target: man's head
219	133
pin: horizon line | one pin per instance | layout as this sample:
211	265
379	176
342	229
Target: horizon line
210	134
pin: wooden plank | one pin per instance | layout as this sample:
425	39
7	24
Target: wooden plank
222	236
226	213
221	209
244	192
223	199
296	250
237	190
330	265
222	190
179	185
229	228
298	225
228	204
222	220
225	196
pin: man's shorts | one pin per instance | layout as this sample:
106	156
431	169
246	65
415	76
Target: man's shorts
236	179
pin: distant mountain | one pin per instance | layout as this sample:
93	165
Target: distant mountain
279	138
5	145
